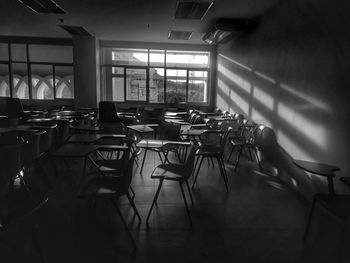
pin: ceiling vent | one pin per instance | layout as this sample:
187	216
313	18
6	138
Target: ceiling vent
43	6
224	30
76	30
179	35
191	9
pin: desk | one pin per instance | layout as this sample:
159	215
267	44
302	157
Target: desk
319	169
92	138
87	128
143	128
40	120
149	144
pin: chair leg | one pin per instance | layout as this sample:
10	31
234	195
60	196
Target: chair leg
155	198
238	157
258	159
212	162
195	165
229	156
143	161
124	223
133	206
307	228
185	201
189	192
199	167
223	174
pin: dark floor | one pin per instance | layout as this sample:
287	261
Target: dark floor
258	221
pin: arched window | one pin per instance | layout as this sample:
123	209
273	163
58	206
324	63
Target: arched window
4	86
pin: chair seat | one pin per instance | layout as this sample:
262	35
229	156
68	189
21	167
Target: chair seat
169	171
338	204
102	187
238	141
210	151
109	165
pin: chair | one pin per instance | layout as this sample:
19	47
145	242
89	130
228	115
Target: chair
175	172
245	140
112	186
14	110
11	163
212	146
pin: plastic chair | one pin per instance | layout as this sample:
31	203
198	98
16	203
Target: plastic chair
112	187
175	172
212	146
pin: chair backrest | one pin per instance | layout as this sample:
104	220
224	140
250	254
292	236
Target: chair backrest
189	164
32	148
14	108
108	112
46	140
10	161
170	131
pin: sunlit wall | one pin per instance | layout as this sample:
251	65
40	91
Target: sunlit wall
292	74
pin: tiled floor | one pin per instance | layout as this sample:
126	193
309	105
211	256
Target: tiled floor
258	221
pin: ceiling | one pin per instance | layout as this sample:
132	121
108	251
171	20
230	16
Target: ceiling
123	20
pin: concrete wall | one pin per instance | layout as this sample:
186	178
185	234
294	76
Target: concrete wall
85	71
292	74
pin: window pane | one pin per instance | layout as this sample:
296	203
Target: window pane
157	58
188	59
4	80
42	82
4	52
118	84
197	86
130	57
18	52
156	85
20	81
175	86
136	84
49	53
64	82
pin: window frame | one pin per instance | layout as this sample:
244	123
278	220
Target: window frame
27	42
104	67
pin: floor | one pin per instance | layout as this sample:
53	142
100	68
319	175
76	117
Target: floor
259	220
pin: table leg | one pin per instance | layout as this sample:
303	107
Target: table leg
330	185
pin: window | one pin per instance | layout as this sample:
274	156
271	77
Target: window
155	75
38	72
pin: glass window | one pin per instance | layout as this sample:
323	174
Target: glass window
197	86
42	82
49	53
118	84
136	84
20	81
4	52
157	58
130	57
64	82
156	85
4	80
187	59
19	52
176	85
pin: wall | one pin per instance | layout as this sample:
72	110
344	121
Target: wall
292	74
85	73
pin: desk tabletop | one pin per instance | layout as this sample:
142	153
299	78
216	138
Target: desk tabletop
153	143
39	120
75	150
141	128
91	138
317	168
87	128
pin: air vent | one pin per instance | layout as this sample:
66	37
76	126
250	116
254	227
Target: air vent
43	6
191	10
179	35
76	30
